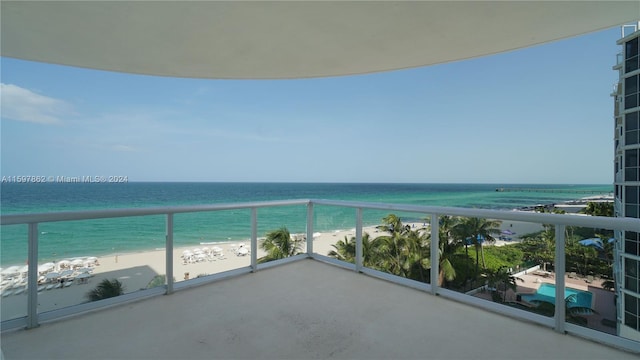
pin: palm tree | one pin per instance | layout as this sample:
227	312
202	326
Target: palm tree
345	250
106	289
599	209
540	248
278	245
392	224
479	230
502	280
447	248
417	251
403	252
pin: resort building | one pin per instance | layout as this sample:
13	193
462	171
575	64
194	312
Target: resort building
627	180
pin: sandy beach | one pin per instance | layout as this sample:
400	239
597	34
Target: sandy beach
136	270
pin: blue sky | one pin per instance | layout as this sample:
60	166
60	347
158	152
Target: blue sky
537	115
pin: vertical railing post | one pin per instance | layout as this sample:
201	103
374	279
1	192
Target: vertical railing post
254	239
310	229
435	256
169	254
32	277
559	268
359	255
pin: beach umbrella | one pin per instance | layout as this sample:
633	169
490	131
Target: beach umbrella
593	242
508	232
77	262
63	264
12	270
46	267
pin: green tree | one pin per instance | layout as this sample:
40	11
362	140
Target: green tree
403	251
106	289
479	230
540	247
447	248
158	280
501	280
599	209
278	244
392	224
345	250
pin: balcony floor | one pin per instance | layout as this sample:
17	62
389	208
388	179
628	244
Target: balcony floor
305	309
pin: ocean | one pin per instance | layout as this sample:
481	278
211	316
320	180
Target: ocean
112	236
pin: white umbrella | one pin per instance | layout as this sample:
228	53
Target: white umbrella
12	270
77	262
24	269
243	251
63	264
46	267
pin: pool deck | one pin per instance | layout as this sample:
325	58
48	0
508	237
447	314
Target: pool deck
603	300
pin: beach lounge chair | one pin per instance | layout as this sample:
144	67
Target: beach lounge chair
589	279
572	275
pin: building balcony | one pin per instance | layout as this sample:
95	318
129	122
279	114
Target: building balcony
305	306
304	309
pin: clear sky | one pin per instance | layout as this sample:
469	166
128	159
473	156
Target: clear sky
537	115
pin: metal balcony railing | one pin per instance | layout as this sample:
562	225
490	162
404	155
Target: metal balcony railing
33	318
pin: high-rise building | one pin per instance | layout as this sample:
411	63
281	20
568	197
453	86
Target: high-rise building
627	181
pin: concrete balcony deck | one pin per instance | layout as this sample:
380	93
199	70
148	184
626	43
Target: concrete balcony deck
304	309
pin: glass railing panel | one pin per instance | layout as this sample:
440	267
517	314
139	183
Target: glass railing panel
533	275
397	243
207	243
13	276
590	287
501	261
335	232
281	232
90	260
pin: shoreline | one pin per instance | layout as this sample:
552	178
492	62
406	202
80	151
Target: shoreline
227	242
571	206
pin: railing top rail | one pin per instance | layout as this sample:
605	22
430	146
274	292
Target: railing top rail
628	224
127	212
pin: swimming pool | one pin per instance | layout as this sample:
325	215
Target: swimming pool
547	293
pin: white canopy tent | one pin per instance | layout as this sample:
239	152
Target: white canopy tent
274	40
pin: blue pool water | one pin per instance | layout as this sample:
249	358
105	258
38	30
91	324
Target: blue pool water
547	293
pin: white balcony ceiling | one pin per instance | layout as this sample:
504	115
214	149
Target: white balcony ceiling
264	39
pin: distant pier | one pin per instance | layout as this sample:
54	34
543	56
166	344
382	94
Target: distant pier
567	191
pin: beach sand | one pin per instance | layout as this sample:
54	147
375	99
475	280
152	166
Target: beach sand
136	270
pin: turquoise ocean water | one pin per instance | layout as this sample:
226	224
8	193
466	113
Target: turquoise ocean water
102	237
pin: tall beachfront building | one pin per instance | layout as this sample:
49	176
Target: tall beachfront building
627	181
